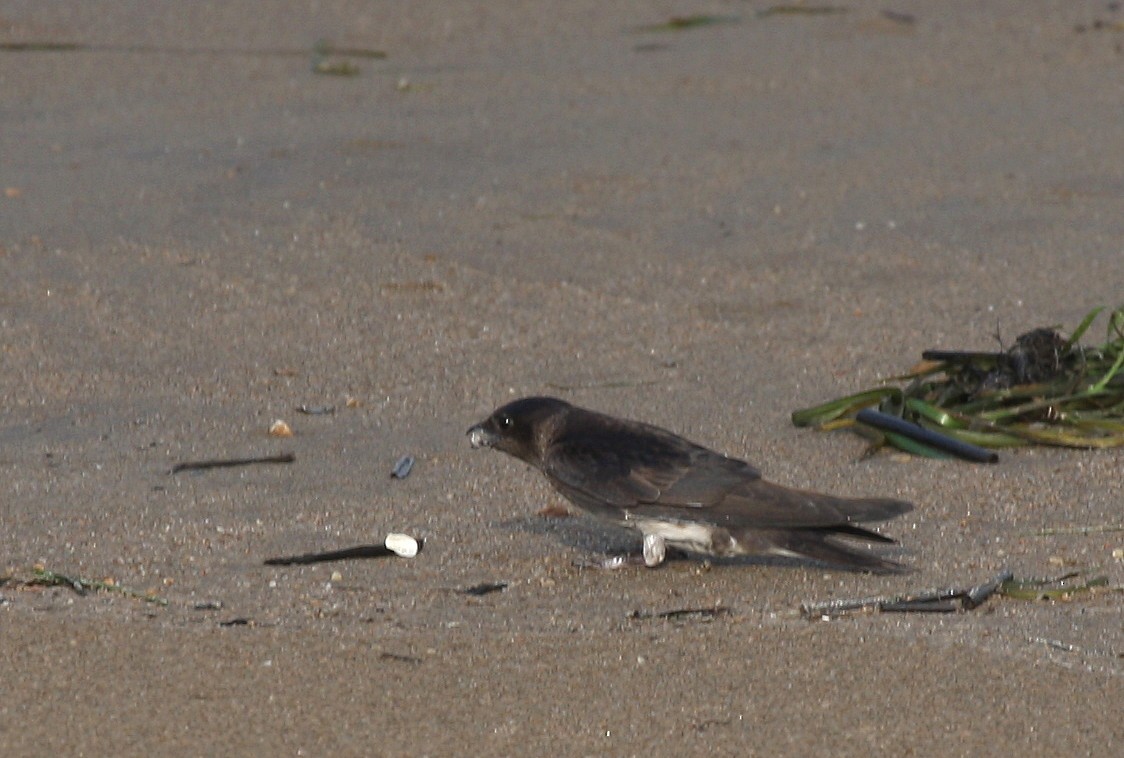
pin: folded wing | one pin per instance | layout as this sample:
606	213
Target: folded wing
654	473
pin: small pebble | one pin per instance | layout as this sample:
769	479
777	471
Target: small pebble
402	467
317	410
280	429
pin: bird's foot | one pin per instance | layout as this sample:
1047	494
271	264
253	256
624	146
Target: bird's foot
612	563
655	551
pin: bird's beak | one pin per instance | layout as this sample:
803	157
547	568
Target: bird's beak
481	437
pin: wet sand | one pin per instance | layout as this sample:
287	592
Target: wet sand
705	229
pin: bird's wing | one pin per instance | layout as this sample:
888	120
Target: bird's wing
661	475
629	470
760	504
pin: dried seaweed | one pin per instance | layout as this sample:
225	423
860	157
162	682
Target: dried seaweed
1045	389
321	49
799	9
693	21
43	577
958	599
1081	530
325	58
1056	588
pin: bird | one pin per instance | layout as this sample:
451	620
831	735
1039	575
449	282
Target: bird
678	494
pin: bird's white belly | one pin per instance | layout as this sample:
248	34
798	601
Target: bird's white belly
695	537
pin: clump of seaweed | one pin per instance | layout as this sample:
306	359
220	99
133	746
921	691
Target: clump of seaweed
44	577
1045	389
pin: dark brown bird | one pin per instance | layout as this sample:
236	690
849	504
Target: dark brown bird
676	493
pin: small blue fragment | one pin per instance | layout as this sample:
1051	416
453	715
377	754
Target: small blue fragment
402	468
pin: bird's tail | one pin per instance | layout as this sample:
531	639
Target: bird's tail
819	544
866	509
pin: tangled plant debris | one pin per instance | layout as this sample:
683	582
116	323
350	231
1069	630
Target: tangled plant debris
957	599
41	576
1045	389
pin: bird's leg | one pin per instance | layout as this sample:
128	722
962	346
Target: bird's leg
613	562
655	550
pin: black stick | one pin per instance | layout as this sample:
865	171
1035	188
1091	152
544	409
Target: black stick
402	545
487	588
360	551
960	356
927	601
231	462
941	442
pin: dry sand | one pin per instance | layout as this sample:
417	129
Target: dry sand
704	229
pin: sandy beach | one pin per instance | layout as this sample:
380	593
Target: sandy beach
409	213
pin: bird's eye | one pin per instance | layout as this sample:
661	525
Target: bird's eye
505	421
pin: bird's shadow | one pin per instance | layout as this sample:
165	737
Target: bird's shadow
579	533
591	536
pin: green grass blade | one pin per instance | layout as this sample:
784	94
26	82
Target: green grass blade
933	413
1083	327
822	414
1097	388
913	447
986	439
1116	324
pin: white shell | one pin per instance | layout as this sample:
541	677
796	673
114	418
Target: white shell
401	544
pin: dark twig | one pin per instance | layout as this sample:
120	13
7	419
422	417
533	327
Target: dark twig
927	601
1092	529
611	385
485	588
240	621
682	614
360	551
232	462
399	657
47	46
397	545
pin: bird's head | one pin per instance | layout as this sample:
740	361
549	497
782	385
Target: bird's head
519	427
